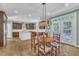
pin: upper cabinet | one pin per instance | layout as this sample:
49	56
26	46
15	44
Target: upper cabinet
31	26
2	16
17	25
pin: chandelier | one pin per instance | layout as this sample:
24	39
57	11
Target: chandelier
44	21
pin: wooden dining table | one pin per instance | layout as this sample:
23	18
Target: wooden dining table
46	39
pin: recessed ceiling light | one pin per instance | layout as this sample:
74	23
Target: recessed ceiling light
29	15
67	4
16	11
15	16
48	13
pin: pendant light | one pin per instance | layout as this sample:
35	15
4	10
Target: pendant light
44	20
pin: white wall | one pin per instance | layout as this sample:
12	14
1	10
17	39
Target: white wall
9	30
74	30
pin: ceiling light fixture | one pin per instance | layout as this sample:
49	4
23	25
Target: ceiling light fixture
48	13
15	16
45	21
16	11
67	4
29	15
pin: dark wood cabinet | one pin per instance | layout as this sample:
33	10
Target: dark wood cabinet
17	25
1	34
2	24
15	34
30	26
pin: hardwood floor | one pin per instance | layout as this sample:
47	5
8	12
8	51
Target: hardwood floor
67	50
17	48
23	48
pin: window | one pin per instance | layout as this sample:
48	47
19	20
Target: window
56	28
67	30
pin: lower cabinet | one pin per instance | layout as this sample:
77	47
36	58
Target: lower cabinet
15	34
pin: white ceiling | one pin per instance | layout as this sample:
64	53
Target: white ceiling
34	10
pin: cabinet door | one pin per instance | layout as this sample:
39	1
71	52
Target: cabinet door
1	34
30	26
1	29
15	34
17	26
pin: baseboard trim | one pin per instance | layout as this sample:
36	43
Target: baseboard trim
69	45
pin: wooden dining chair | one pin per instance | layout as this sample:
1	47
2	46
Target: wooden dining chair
43	49
56	44
33	41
